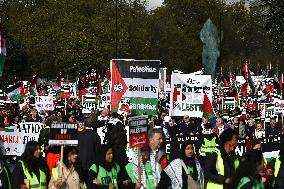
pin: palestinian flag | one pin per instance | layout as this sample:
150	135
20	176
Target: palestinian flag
13	92
90	99
89	103
137	81
247	75
65	92
207	108
33	86
2	51
230	103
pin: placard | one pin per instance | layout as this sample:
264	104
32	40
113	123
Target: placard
44	103
63	134
138	131
15	138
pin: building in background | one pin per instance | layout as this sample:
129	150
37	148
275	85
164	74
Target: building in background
244	2
260	7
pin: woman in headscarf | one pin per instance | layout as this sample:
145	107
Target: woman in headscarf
31	171
183	172
103	174
246	176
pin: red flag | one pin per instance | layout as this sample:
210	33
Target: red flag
251	107
118	86
246	71
24	88
226	83
269	88
207	108
281	83
107	74
99	85
244	89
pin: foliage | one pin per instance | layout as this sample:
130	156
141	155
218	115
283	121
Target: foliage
50	36
275	25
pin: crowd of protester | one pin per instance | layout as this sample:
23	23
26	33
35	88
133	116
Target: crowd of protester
92	164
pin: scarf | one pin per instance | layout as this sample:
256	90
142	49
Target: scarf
155	167
142	169
174	171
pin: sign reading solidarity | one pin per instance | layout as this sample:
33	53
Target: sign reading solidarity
63	134
138	131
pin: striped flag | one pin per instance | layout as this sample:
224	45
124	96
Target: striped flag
14	92
65	92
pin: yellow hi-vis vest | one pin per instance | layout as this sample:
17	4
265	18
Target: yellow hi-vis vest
209	146
277	167
220	169
33	181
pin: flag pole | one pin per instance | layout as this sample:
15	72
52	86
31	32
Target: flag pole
281	87
65	106
139	164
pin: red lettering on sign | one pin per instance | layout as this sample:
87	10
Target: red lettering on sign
63	137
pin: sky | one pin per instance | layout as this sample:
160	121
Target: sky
155	3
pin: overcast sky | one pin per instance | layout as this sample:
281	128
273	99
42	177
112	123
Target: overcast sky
154	3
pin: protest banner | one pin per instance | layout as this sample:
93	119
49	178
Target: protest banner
279	106
138	81
15	138
44	103
138	131
63	134
188	93
270	144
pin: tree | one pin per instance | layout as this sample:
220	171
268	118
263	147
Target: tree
68	35
275	25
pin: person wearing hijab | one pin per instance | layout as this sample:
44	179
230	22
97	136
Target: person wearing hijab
247	176
182	172
103	174
31	170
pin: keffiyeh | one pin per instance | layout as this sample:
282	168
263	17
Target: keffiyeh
174	171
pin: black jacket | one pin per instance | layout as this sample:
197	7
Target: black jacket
250	131
269	131
4	176
187	128
18	174
211	173
165	181
123	176
88	146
